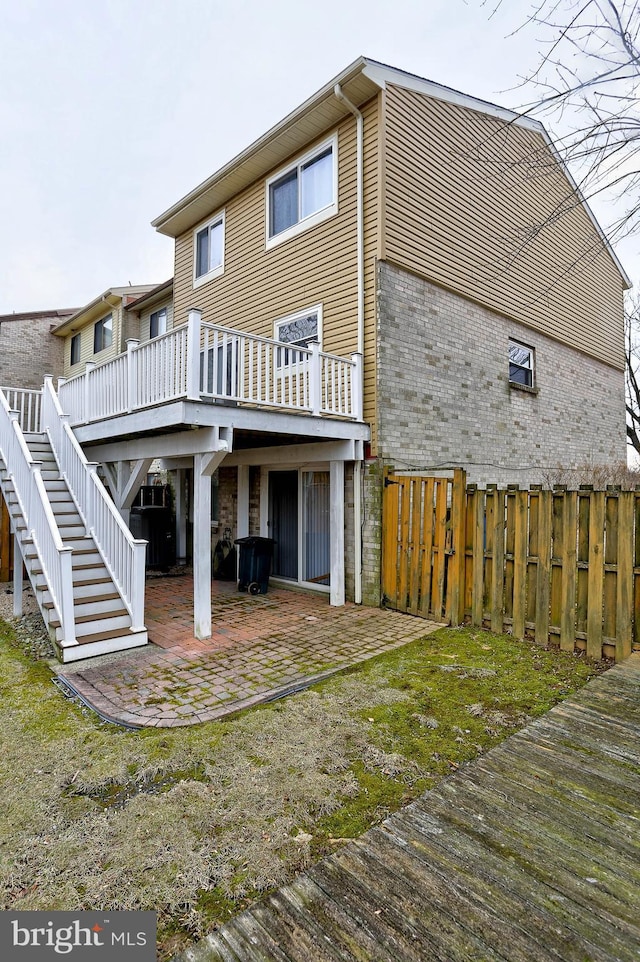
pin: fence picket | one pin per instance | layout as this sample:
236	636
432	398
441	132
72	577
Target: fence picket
543	573
569	559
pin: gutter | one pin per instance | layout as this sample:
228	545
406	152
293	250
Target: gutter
357	466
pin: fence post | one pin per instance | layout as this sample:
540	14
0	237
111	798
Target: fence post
357	387
132	374
315	379
67	614
193	355
455	615
89	366
138	584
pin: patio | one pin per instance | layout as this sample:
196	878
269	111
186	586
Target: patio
262	647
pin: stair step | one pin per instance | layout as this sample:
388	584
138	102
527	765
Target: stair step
58	484
71	532
110	624
60	496
89	602
95	575
101	643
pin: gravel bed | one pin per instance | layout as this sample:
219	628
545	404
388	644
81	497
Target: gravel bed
31	634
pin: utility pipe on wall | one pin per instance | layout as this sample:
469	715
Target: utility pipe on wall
357	467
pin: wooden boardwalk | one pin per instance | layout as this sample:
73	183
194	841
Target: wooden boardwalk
532	852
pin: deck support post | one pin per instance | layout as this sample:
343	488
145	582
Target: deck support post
17	577
242	520
336	525
204	466
181	516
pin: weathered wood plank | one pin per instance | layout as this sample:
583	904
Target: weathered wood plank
624	580
456	583
390	505
477	604
569	557
497	567
427	550
543	573
520	563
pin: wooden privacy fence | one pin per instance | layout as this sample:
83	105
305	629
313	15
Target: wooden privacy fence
556	566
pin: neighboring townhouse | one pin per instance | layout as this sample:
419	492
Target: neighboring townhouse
28	348
395	274
99	331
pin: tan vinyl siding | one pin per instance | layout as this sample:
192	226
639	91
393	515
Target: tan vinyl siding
318	266
471	203
86	344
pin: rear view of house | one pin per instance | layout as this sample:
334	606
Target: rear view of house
395	274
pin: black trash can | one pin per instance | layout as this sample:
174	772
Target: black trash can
254	564
155	526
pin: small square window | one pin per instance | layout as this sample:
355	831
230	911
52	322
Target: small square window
299	330
75	349
103	334
521	367
209	250
158	323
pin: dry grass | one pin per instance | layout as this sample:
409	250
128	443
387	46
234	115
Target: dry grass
196	821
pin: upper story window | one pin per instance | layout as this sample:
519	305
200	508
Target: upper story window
208	244
303	194
75	350
103	334
158	323
521	366
299	330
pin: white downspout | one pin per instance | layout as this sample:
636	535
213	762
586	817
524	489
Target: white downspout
357	466
359	208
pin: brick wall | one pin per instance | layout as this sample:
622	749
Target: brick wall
28	351
444	392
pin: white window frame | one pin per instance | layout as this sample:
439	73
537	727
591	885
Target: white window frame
281	321
75	339
532	365
218	270
101	322
304	223
158	313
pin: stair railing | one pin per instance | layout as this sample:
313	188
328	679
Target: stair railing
24	474
123	555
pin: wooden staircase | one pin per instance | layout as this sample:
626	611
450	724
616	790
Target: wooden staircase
102	621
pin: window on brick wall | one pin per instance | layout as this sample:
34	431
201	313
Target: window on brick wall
521	364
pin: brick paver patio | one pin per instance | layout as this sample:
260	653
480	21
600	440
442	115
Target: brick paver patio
262	647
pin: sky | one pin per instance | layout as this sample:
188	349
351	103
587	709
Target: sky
111	112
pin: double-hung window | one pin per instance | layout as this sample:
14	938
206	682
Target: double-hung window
103	334
521	367
158	323
208	243
303	194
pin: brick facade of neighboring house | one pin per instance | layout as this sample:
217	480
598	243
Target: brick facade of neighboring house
28	349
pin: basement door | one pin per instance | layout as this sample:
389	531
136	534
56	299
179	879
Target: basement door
299	524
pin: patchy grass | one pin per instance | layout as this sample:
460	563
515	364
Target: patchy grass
197	822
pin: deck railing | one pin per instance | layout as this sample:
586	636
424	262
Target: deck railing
123	554
206	361
25	478
27	404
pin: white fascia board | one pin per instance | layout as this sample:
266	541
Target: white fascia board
383	75
298	454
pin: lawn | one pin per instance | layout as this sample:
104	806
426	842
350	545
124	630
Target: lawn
197	822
